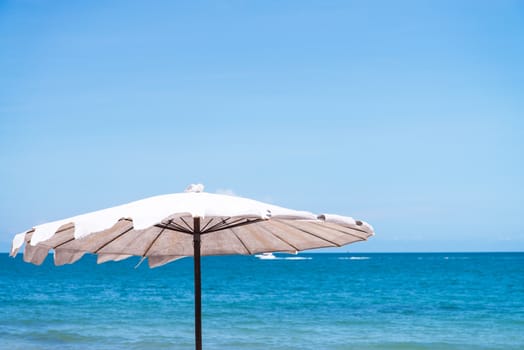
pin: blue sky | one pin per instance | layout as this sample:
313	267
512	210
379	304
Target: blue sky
409	115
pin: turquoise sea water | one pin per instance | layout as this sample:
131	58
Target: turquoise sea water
324	301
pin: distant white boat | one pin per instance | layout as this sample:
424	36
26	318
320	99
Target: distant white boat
265	256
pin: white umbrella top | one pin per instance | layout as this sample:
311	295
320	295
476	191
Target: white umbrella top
173	212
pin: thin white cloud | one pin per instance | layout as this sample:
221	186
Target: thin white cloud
226	191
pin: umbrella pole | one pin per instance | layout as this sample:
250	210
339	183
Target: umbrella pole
198	288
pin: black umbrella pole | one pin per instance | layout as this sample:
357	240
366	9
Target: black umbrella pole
198	288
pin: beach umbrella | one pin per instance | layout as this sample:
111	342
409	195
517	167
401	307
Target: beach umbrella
193	223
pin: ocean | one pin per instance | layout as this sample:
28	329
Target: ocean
309	301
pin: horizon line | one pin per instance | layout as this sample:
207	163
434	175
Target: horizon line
350	252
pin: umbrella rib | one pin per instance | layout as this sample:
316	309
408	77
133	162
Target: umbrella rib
63	229
61	244
348	233
242	242
72	239
174	227
207	224
247	222
43	245
312	234
187	225
177	227
153	242
112	240
280	238
359	230
217	226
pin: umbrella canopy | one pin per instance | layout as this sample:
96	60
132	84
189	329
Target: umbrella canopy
194	223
